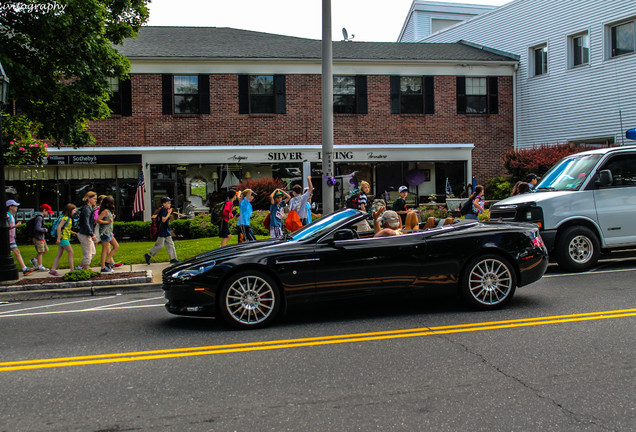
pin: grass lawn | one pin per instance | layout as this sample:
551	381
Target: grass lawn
129	252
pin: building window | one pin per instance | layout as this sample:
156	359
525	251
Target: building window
262	94
120	99
350	94
623	38
114	103
186	94
344	94
412	95
539	60
477	95
579	46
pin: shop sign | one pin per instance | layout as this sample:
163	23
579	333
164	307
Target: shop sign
93	159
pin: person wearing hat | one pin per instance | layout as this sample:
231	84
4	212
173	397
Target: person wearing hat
164	236
39	230
386	223
12	208
399	205
277	200
245	216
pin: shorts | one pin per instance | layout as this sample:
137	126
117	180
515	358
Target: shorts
40	246
13	246
224	229
64	243
105	237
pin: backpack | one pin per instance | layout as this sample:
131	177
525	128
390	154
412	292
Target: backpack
154	227
56	223
353	201
30	227
266	221
467	207
216	216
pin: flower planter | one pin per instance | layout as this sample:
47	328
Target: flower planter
454	204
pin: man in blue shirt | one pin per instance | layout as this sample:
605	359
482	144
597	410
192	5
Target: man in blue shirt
245	215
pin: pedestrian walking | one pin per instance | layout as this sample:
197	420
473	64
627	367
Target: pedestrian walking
477	203
12	209
164	236
245	217
106	238
63	239
224	228
277	200
86	235
39	231
96	211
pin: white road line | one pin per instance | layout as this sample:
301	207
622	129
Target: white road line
58	304
589	273
77	311
108	306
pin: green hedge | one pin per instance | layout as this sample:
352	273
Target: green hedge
199	227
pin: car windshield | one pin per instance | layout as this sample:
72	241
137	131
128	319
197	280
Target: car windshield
322	225
569	174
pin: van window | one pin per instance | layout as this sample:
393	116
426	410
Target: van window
623	169
569	174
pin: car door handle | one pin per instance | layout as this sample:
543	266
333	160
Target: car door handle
295	261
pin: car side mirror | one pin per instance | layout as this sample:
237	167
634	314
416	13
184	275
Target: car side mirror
345	234
604	178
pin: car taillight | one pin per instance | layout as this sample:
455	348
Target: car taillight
538	241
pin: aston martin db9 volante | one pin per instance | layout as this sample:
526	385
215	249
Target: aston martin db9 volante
250	284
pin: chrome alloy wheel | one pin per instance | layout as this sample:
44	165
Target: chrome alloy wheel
490	281
250	300
581	249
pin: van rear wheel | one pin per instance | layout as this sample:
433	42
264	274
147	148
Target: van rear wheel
577	249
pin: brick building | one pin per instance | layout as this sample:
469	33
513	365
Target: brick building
207	107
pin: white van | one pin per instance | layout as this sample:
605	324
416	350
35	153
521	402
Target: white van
585	203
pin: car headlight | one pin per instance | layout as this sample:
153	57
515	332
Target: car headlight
192	272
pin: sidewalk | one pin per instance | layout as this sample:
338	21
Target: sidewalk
56	287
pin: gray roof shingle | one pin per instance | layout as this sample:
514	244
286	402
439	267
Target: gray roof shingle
229	43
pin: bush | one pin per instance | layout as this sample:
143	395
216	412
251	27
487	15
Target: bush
263	187
79	275
201	227
440	213
498	188
537	160
135	230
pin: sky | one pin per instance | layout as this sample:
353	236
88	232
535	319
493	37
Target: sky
368	20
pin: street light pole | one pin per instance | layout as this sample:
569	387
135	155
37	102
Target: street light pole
327	110
8	270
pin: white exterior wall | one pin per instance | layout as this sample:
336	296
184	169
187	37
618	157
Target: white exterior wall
583	103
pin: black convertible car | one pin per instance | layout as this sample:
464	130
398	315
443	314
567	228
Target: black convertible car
250	284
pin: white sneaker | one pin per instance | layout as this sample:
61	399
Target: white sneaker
42	268
34	261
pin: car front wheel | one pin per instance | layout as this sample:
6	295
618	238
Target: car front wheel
577	249
488	282
249	300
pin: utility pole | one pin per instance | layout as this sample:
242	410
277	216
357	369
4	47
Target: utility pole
327	110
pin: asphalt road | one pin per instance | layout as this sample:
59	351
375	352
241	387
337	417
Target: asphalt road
561	357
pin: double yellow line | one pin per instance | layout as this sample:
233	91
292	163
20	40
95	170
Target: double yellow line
306	342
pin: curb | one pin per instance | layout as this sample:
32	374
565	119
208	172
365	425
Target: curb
79	289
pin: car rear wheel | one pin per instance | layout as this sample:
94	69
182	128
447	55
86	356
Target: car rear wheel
249	300
488	282
577	249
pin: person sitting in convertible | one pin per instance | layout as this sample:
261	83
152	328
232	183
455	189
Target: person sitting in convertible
389	224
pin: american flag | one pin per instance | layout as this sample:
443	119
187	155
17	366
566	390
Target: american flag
449	190
138	205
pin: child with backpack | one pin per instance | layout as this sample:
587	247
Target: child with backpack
277	200
224	228
63	238
164	236
39	230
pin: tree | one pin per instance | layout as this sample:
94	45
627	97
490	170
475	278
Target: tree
60	55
